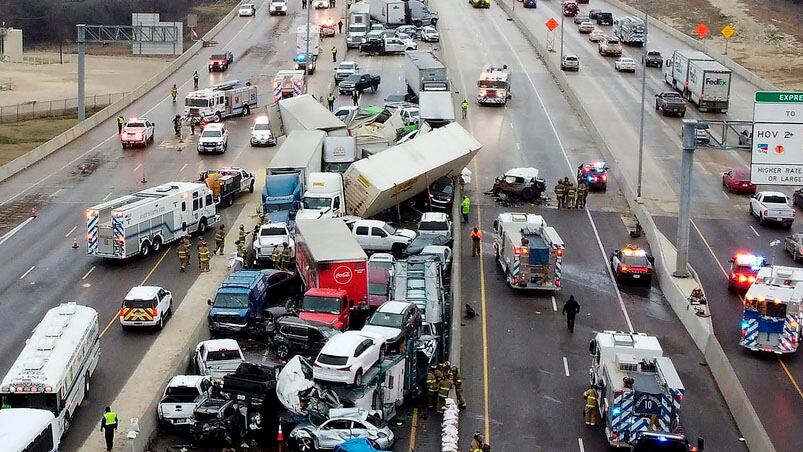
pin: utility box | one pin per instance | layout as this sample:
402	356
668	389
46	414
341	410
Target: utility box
10	45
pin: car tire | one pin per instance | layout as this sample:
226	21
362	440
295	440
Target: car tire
251	187
67	423
246	110
358	378
282	351
305	444
145	249
161	322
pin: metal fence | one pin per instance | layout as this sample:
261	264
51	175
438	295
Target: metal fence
51	108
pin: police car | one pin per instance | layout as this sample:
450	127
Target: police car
743	271
595	175
632	263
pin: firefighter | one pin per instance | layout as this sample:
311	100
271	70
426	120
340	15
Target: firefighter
444	387
340	26
174	92
432	387
177	125
276	257
120	121
571	194
355	97
195	79
330	100
220	240
334	54
476	240
286	257
465	208
464	107
560	193
590	397
203	257
183	255
570	309
243	234
476	442
457	381
582	194
195	121
241	251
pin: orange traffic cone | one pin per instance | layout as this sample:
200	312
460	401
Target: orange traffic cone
33	212
280	435
75	244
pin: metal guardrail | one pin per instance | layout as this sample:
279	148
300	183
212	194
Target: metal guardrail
53	108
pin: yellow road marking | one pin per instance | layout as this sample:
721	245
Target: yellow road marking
791	378
413	430
144	280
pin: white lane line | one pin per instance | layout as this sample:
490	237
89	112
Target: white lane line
710	250
72	230
183	168
511	126
571	170
136	168
566	366
55	193
26	273
88	273
754	231
108	196
580	443
518	146
16	229
554	305
725	194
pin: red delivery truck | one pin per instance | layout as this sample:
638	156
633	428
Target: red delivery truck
334	269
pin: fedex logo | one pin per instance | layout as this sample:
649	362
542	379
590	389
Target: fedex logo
718	81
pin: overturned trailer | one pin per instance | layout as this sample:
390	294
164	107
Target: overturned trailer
301	113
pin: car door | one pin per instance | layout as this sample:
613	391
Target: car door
359	430
333	433
379	240
164	301
728	178
363	236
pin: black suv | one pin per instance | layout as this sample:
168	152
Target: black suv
217	422
295	336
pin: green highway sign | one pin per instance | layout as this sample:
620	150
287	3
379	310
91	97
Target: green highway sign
779	97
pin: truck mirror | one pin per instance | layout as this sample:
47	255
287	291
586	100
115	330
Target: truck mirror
592	347
209	302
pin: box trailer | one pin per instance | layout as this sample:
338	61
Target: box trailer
436	108
303	113
423	71
676	68
302	152
371	188
709	86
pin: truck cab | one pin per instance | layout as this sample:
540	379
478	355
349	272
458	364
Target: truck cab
281	197
330	306
324	197
238	302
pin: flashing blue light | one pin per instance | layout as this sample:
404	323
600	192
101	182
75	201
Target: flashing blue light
744	324
589	177
301	57
662	438
616	411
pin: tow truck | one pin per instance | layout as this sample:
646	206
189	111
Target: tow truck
743	271
226	183
633	263
595	175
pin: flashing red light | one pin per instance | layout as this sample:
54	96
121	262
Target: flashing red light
624	268
559	252
557	282
515	280
604	177
614	435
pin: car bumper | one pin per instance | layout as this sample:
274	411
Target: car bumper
741	189
216	149
331	375
345	89
627	68
138	323
178	422
491	100
263	141
635	277
134	142
222	327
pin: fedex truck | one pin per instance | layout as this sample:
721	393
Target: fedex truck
709	86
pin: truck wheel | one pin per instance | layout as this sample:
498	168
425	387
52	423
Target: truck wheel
157	244
230	201
528	194
218	118
282	351
202	226
251	187
246	110
145	249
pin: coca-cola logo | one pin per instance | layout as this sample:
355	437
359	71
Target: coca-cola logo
343	275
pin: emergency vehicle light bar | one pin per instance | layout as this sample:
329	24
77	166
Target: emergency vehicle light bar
634	252
755	262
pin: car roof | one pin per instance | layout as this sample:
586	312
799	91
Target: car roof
214	126
741	172
434	216
772	193
526	172
395	307
343	344
381	257
142	293
220	344
185	380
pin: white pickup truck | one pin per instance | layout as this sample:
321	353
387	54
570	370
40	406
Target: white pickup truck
376	235
218	357
772	207
182	394
270	235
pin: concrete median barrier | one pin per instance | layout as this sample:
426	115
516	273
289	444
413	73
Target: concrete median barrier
24	161
676	290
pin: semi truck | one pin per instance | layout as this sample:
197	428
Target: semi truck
630	30
304	113
143	222
221	101
286	174
358	25
709	86
226	183
324	197
308	46
423	71
371	188
333	268
339	153
436	108
402	12
529	252
676	68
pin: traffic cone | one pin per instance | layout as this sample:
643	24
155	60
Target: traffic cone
33	212
75	244
280	435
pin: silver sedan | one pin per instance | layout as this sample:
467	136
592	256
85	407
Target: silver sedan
794	246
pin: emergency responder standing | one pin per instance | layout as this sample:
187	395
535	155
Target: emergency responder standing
195	78
203	257
340	27
465	207
108	424
355	97
560	193
177	125
432	388
464	107
476	443
334	54
243	234
457	381
476	240
195	121
174	92
276	257
444	387
570	309
241	251
582	194
220	240
303	4
330	99
571	194
285	259
331	3
590	397
183	255
120	121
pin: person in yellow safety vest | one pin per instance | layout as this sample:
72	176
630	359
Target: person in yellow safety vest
457	381
590	397
243	234
183	255
108	424
465	208
432	388
582	194
174	92
443	392
120	121
203	257
220	240
560	193
571	193
286	257
334	54
276	257
464	107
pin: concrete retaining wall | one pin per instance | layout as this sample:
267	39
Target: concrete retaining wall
675	290
698	45
24	161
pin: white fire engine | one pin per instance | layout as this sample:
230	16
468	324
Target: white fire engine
288	84
494	85
529	252
222	100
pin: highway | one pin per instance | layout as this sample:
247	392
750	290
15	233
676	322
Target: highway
525	373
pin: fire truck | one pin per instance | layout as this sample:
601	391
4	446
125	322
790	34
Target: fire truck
221	101
529	252
288	83
494	85
638	389
773	311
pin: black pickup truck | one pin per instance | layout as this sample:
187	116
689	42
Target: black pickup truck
653	58
360	83
670	103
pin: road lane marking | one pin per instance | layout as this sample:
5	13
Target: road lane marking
136	168
88	273
518	146
182	168
16	229
754	230
144	280
710	250
580	444
725	194
71	231
29	271
554	305
566	366
413	430
791	377
108	196
56	192
571	170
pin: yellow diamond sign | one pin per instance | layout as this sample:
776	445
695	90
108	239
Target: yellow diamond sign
728	31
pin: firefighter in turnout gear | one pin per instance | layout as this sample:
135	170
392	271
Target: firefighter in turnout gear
432	388
457	380
286	257
203	257
590	397
243	234
444	387
183	255
241	251
582	194
560	193
571	194
276	257
476	443
220	240
177	125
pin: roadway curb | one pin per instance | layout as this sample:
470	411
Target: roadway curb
675	290
40	152
455	330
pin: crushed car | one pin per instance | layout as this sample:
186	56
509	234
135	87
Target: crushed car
522	183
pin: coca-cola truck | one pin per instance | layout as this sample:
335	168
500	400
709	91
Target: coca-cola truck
334	270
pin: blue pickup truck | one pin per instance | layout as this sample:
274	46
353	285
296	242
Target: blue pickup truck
281	197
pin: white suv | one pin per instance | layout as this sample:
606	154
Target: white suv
261	134
277	7
146	306
347	357
214	139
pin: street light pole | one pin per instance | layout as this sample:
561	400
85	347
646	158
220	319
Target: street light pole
306	56
688	138
561	38
643	86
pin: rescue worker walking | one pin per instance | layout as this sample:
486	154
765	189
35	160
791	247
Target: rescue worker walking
355	97
571	194
590	397
464	107
108	424
465	207
183	255
120	121
560	193
330	99
203	257
457	381
331	3
177	125
570	309
340	27
582	194
195	78
276	257
286	257
444	387
195	121
220	240
303	4
476	240
432	388
174	92
334	54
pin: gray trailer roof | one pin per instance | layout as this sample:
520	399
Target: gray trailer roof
329	240
310	113
424	59
298	149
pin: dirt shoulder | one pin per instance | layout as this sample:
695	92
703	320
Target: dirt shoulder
768	39
20	137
